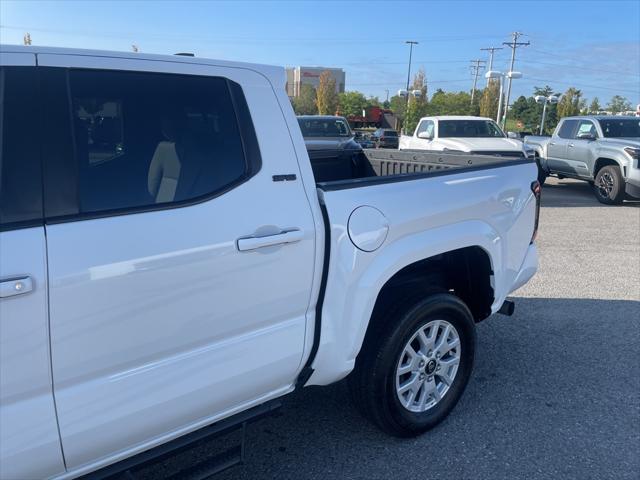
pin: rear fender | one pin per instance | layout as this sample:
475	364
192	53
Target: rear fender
356	278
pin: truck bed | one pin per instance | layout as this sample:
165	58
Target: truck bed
343	169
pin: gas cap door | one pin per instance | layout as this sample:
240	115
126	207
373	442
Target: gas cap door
368	228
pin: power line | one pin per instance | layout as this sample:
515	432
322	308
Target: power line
245	39
514	44
583	85
579	67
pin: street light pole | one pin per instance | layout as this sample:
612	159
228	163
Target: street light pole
411	44
501	81
544	114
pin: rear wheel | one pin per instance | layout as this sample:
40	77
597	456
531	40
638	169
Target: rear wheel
609	185
411	374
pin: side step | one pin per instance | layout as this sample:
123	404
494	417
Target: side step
126	469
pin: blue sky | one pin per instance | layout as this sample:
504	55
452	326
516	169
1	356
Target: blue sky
593	45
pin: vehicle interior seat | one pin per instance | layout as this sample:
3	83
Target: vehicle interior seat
165	166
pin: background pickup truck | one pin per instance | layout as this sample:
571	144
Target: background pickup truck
601	150
462	134
171	267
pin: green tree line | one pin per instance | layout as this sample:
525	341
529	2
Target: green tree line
524	114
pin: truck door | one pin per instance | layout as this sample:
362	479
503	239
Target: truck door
29	440
558	145
180	269
579	150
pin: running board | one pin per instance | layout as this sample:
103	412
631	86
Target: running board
127	468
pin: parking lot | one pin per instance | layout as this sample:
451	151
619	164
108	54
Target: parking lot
556	387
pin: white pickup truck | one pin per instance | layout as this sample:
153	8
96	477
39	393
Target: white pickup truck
462	134
170	266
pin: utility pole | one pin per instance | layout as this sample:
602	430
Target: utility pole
491	50
387	92
411	44
513	45
475	71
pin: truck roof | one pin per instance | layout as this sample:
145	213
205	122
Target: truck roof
599	117
274	74
455	117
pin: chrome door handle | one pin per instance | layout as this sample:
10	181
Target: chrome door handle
252	243
552	143
571	145
15	286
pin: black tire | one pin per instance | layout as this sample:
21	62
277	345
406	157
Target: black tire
372	383
609	185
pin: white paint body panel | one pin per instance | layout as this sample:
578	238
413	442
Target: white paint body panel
158	322
29	440
493	209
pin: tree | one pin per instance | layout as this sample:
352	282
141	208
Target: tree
569	104
326	96
352	103
618	104
417	105
398	105
305	103
595	105
490	99
449	103
420	83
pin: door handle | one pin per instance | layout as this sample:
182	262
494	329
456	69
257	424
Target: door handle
253	243
552	143
571	145
15	286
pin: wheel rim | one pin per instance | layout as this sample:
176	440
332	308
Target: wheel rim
605	184
428	365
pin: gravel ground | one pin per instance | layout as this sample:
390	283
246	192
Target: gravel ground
556	387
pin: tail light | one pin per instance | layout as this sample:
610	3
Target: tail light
536	188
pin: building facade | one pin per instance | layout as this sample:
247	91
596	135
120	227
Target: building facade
298	76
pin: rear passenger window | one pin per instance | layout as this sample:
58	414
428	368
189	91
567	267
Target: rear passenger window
20	166
567	129
145	139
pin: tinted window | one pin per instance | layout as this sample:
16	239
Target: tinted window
586	127
323	127
390	133
629	128
146	139
567	128
20	166
469	129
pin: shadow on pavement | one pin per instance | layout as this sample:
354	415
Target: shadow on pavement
554	394
574	193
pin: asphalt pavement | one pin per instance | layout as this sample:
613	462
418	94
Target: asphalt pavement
555	392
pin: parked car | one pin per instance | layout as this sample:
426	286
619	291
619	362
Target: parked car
602	150
171	264
385	138
364	140
462	134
